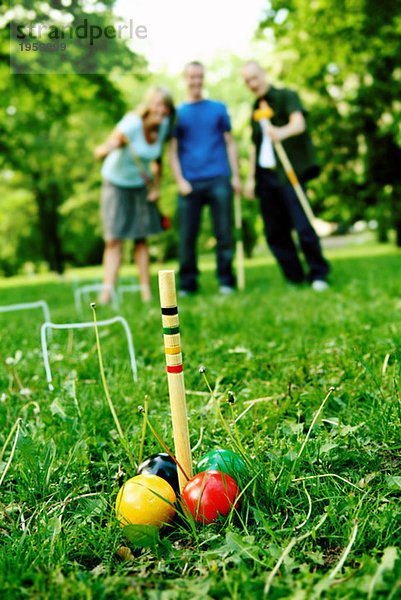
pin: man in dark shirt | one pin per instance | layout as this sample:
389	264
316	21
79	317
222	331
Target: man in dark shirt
280	207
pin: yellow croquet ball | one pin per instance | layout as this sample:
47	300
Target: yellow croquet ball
145	500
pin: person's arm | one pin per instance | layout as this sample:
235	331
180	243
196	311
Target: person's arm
184	187
115	140
233	162
295	126
249	190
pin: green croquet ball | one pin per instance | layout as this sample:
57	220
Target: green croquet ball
226	461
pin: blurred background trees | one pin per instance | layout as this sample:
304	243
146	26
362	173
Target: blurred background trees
341	56
48	125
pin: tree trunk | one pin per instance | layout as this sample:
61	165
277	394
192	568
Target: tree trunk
48	201
397	226
382	231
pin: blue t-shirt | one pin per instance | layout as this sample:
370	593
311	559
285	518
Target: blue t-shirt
119	167
200	132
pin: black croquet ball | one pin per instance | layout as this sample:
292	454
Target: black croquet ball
163	466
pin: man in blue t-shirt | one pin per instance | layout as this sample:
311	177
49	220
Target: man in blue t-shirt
204	161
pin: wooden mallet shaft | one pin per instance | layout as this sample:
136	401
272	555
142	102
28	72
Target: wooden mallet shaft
265	113
239	244
175	374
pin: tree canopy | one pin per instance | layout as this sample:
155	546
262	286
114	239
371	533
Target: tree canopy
49	123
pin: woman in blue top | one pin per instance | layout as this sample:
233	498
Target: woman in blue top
130	189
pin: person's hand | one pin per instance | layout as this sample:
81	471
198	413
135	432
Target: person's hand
249	189
276	134
100	152
184	187
153	195
237	185
117	140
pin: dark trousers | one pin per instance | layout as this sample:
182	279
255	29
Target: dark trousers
218	193
282	212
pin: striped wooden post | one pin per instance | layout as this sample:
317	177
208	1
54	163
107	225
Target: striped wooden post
175	374
263	115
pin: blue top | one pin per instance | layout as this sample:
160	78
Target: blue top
119	167
201	144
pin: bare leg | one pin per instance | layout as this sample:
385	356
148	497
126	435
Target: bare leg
112	258
141	257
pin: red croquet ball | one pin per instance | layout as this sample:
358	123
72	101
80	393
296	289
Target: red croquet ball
210	494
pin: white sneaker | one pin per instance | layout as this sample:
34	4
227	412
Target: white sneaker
319	285
226	290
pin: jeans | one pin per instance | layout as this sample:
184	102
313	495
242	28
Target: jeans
218	193
282	212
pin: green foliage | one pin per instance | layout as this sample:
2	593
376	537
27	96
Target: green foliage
323	500
18	218
142	536
50	126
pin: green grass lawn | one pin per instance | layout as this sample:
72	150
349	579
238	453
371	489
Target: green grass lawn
321	516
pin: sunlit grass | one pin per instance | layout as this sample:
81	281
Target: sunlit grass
280	346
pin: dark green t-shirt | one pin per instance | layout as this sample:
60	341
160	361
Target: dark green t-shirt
299	148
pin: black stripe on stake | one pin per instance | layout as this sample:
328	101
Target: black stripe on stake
170	311
171	330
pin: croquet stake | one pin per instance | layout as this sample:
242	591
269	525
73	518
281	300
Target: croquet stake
175	374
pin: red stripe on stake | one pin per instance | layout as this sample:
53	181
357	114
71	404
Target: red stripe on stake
175	369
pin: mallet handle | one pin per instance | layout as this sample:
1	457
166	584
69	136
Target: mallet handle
239	243
285	161
263	115
175	375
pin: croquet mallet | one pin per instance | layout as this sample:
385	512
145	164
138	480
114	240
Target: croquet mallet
239	244
263	115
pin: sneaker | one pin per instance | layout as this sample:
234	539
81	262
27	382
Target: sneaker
226	290
319	285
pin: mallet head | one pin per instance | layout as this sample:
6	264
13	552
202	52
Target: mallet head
263	112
